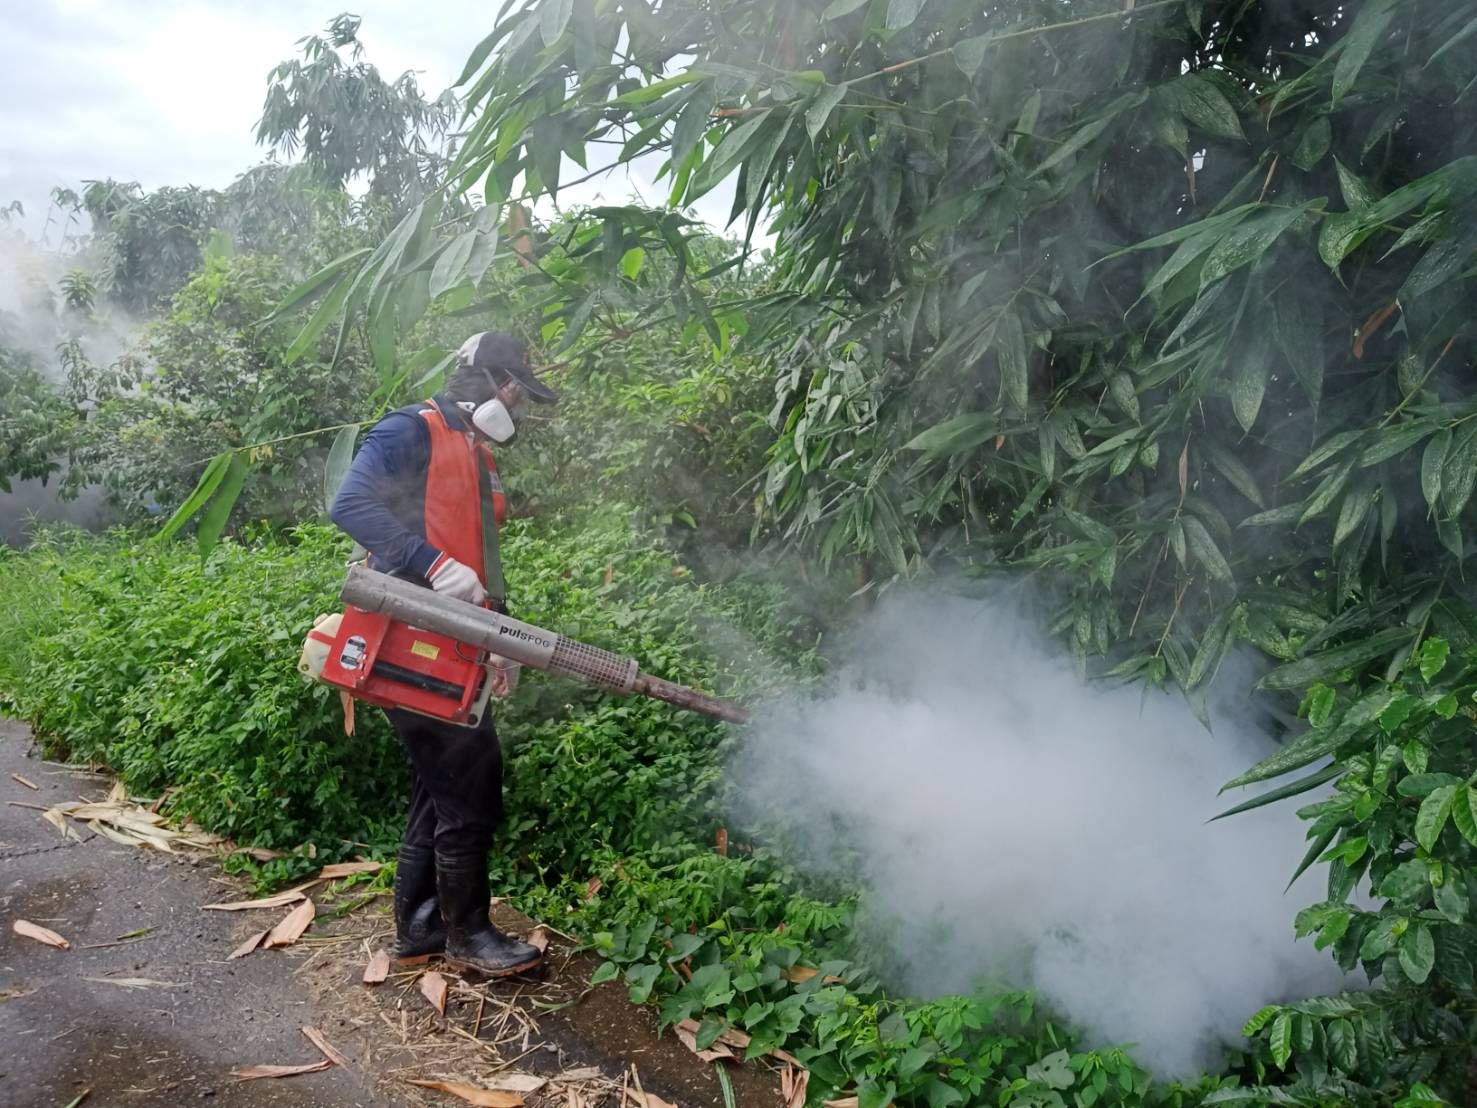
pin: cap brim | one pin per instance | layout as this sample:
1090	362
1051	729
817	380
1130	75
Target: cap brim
533	386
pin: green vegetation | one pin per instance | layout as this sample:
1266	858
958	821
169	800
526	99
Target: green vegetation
1170	304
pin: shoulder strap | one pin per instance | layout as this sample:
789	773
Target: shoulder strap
492	562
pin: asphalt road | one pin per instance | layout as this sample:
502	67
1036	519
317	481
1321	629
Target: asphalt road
65	1028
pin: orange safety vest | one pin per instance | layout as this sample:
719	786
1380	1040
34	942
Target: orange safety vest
453	495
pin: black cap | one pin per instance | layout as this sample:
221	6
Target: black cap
504	356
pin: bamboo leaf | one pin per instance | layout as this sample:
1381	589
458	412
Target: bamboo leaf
1368	26
1230	467
451	266
340	454
1214	644
954	436
1313	144
821	107
330	308
1433	461
315	284
1300	339
1205	551
1275	517
1296	788
1248	386
481	51
901	13
693	122
1392	441
657	89
1459	473
213	522
209	481
1461	36
1120	385
761	160
1247	242
1320	844
969	55
1327	492
1205	106
1356	504
730	151
1080	138
553	18
1324	666
1014	373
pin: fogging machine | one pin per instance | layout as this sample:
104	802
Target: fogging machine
401	645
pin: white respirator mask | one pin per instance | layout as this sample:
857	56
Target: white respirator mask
494	420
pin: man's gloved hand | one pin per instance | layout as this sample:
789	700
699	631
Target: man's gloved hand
451	578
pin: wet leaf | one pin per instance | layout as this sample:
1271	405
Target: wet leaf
955	435
1205	106
1369	25
1248	385
1013	363
1435	810
1417	953
821	107
1205	551
1433	459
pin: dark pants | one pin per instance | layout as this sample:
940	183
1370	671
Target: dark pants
456	783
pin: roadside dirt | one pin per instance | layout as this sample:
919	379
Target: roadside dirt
162	1017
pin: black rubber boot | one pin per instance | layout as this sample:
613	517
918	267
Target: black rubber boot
419	932
471	939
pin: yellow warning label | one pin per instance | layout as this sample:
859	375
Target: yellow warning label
425	649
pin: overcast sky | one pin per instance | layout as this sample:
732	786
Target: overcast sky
168	92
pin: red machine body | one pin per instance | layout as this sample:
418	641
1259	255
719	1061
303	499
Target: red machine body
394	665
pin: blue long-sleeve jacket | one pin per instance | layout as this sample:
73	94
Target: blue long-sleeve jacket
382	501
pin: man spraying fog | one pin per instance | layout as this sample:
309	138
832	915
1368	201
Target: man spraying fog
423	497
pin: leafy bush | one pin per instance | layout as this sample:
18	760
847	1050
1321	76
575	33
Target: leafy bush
1403	819
177	670
218	379
180	672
